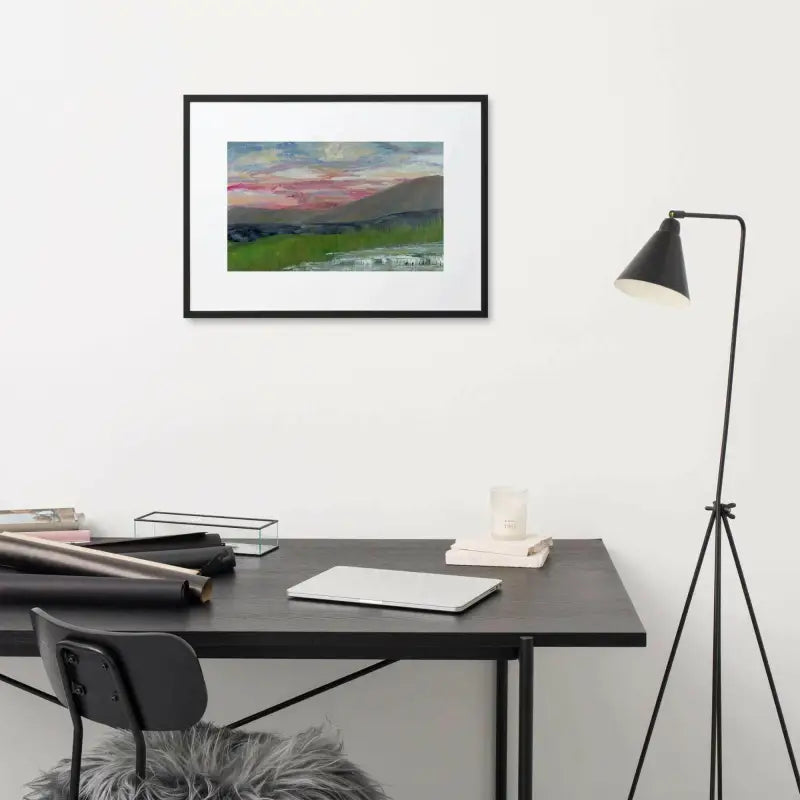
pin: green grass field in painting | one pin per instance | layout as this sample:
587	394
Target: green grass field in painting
287	250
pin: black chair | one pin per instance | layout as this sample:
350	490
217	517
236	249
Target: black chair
134	681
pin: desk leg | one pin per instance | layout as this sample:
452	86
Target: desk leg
525	756
501	731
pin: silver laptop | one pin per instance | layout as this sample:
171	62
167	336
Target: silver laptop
389	587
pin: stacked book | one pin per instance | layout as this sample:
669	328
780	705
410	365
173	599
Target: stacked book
46	557
531	552
53	524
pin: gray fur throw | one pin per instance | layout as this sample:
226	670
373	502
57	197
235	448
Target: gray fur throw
209	763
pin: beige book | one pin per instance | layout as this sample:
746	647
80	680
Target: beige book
474	558
40	519
507	547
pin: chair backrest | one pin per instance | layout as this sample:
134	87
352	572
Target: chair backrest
154	675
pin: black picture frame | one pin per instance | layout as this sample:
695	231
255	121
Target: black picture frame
479	312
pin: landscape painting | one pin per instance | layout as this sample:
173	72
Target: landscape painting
335	206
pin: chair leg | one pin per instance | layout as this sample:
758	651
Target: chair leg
65	656
141	755
77	752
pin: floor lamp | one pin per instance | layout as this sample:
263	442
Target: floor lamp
658	273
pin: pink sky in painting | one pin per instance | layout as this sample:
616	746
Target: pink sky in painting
320	175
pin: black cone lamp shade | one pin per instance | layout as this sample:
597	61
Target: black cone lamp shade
658	273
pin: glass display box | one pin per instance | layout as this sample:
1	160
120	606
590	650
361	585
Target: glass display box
248	536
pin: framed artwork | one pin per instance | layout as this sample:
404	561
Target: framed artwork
335	206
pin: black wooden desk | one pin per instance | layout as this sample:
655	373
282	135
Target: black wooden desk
576	600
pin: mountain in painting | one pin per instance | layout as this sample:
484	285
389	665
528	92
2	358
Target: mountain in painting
420	194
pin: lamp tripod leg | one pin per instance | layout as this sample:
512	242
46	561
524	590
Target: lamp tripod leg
763	652
715	770
719	667
671	658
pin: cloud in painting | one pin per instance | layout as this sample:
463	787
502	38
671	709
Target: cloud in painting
320	175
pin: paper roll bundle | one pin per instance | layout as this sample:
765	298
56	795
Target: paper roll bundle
203	552
28	554
16	587
206	560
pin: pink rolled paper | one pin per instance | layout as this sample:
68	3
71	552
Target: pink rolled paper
69	537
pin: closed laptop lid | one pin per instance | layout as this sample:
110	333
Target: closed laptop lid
395	588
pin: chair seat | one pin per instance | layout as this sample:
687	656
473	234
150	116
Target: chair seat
210	763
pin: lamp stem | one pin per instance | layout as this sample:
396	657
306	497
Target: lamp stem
717	510
734	333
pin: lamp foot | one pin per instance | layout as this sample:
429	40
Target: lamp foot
719	520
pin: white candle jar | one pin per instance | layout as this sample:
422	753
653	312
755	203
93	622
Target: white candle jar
509	512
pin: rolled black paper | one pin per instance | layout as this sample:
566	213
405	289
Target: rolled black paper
28	554
81	590
148	543
208	560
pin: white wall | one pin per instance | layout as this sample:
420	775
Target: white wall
603	116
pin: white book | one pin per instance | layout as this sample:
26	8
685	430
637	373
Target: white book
507	547
474	558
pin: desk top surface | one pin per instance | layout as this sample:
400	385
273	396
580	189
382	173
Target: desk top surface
576	600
